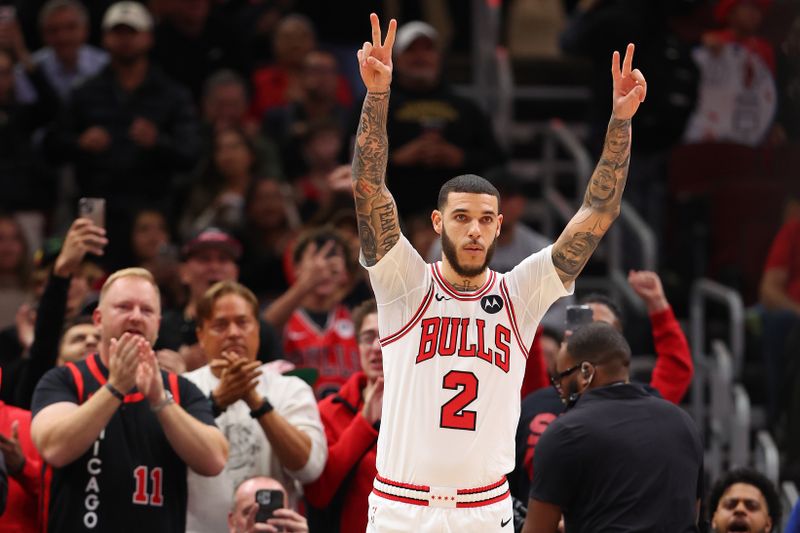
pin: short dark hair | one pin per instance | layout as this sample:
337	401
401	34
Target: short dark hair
205	307
748	476
367	307
466	183
603	299
598	343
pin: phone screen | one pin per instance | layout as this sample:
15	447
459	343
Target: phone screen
268	501
577	316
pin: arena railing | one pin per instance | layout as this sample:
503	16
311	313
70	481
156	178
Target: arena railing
702	292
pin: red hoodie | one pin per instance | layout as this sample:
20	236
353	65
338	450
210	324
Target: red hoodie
25	488
352	447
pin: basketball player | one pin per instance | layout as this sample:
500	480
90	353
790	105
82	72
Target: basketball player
455	335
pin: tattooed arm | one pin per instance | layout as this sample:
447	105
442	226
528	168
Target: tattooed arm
601	204
378	224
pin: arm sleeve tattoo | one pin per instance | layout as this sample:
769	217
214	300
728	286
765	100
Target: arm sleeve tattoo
378	224
601	204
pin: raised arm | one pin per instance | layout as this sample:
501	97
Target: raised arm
601	204
378	225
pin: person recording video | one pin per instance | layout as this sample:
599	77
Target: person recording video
259	505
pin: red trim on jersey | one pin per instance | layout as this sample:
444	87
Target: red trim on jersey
91	362
413	501
47	479
482	489
426	302
173	387
77	377
483	503
512	317
422	488
463	296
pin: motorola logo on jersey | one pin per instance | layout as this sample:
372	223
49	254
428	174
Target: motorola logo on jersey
447	337
492	304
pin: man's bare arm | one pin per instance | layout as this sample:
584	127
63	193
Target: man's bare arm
600	207
601	203
378	225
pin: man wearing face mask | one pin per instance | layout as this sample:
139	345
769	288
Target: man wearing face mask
638	458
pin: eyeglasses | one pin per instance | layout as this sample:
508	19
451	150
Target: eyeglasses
556	380
368	337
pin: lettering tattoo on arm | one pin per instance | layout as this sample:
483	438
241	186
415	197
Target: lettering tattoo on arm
601	204
378	224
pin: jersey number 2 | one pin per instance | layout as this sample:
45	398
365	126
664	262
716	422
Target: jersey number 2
140	495
453	414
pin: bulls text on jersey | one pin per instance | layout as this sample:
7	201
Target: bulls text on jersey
447	336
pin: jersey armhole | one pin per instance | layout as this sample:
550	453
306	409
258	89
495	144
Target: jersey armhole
512	317
172	378
77	377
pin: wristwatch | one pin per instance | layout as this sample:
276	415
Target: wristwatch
168	400
261	410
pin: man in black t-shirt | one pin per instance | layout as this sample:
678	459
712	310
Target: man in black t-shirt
116	432
619	459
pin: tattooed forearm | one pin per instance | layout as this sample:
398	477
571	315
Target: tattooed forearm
378	225
600	206
604	192
570	255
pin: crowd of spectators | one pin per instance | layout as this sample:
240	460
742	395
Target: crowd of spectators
219	133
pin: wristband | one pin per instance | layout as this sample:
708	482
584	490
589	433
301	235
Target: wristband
216	410
114	392
265	408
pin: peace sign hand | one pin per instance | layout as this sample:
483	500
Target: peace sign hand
375	59
630	88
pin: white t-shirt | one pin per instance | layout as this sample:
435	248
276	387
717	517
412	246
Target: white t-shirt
453	366
250	453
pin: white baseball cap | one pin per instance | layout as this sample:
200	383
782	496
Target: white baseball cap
131	14
410	32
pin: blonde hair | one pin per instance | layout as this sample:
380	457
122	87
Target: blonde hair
134	272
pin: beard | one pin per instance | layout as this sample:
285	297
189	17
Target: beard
450	252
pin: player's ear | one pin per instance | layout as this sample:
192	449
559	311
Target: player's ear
499	225
436	220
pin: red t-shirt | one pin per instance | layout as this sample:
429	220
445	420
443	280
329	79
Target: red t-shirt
785	254
333	350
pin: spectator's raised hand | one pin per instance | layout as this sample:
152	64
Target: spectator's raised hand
12	450
648	286
238	380
288	521
630	87
340	179
314	267
375	58
373	401
148	374
143	132
123	361
83	237
95	140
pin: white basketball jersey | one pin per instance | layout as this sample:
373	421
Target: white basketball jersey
453	366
